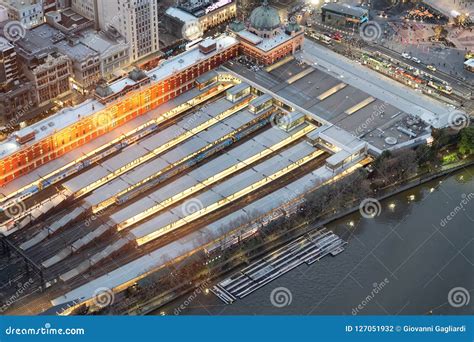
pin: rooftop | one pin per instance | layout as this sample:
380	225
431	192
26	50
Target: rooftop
180	14
46	127
469	63
373	123
71	115
76	51
100	42
265	44
345	9
4	44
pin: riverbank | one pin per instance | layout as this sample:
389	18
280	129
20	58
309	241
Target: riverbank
301	230
406	246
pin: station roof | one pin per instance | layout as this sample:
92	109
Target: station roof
260	100
238	88
207	76
70	115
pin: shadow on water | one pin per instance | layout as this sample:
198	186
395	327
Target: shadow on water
406	260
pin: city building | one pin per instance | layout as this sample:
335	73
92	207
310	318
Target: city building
50	77
207	14
136	21
68	21
53	5
94	55
85	63
8	64
115	104
17	103
3	14
343	14
86	8
114	52
15	94
264	39
29	12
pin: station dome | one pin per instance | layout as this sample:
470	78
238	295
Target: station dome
265	18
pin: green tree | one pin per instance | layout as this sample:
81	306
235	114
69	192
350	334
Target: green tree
466	143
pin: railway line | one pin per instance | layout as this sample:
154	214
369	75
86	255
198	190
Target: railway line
102	153
223	159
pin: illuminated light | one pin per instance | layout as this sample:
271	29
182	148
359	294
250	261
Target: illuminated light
217	5
432	189
225	201
411	197
206	291
212	180
351	223
392	206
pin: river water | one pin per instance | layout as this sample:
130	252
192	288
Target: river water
404	261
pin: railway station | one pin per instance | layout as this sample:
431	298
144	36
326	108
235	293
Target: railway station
166	161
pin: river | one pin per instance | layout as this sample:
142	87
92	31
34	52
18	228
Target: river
406	261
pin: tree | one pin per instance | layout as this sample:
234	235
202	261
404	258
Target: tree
466	143
425	155
439	32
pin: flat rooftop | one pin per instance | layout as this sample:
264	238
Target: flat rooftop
321	94
70	115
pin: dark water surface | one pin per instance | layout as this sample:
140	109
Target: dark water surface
411	248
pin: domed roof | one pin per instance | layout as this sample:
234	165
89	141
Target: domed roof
264	18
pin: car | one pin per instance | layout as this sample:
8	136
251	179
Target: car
414	59
432	68
406	55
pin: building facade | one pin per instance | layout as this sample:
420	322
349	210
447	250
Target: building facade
9	71
50	77
207	14
86	8
85	64
28	12
264	39
115	104
135	20
16	104
114	52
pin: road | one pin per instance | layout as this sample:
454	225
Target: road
375	84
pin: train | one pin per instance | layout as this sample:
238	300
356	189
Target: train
173	170
79	166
